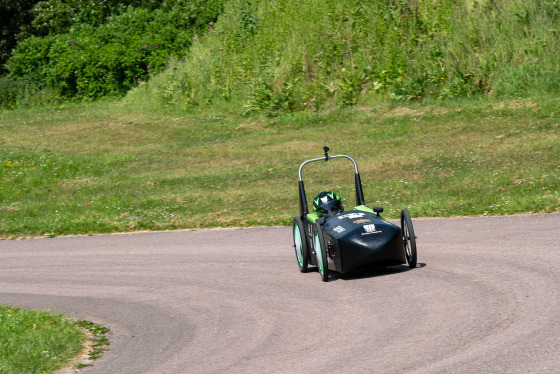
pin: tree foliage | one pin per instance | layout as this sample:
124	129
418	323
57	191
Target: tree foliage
15	25
58	16
106	48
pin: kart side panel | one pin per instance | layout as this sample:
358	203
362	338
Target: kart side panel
360	239
334	259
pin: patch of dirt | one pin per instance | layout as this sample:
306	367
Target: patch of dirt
513	104
78	181
255	125
402	111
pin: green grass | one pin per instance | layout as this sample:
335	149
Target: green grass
36	342
99	339
114	167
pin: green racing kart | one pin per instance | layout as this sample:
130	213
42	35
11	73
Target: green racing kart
352	240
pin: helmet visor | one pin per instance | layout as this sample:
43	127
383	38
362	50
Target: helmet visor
333	206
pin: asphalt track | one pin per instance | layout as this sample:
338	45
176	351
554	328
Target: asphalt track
483	299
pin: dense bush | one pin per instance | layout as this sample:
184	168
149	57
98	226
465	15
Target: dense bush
89	61
288	55
8	93
58	16
20	19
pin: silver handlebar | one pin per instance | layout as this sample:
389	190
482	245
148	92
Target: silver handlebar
326	159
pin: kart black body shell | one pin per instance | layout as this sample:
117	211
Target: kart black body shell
356	240
359	239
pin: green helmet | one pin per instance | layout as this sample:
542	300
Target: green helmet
327	202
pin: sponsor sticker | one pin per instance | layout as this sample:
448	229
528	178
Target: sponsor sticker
370	229
339	229
352	215
362	220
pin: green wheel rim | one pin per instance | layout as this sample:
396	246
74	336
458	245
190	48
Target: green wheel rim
318	253
297	242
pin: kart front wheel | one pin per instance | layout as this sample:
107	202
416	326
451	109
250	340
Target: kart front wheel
320	253
300	245
409	240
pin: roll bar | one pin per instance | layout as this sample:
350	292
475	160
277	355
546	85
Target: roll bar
303	209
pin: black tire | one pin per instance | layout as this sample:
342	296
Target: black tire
300	245
321	253
409	240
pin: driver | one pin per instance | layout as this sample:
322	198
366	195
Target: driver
327	203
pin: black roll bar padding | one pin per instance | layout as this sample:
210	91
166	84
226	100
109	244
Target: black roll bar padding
326	149
359	191
303	210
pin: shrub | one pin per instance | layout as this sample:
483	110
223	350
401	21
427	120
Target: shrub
8	93
96	61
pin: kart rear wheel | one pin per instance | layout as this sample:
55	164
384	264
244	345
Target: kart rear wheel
321	253
300	245
409	240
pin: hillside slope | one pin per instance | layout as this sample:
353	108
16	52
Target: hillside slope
291	55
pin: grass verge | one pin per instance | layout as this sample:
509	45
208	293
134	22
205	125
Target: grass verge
112	167
37	342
